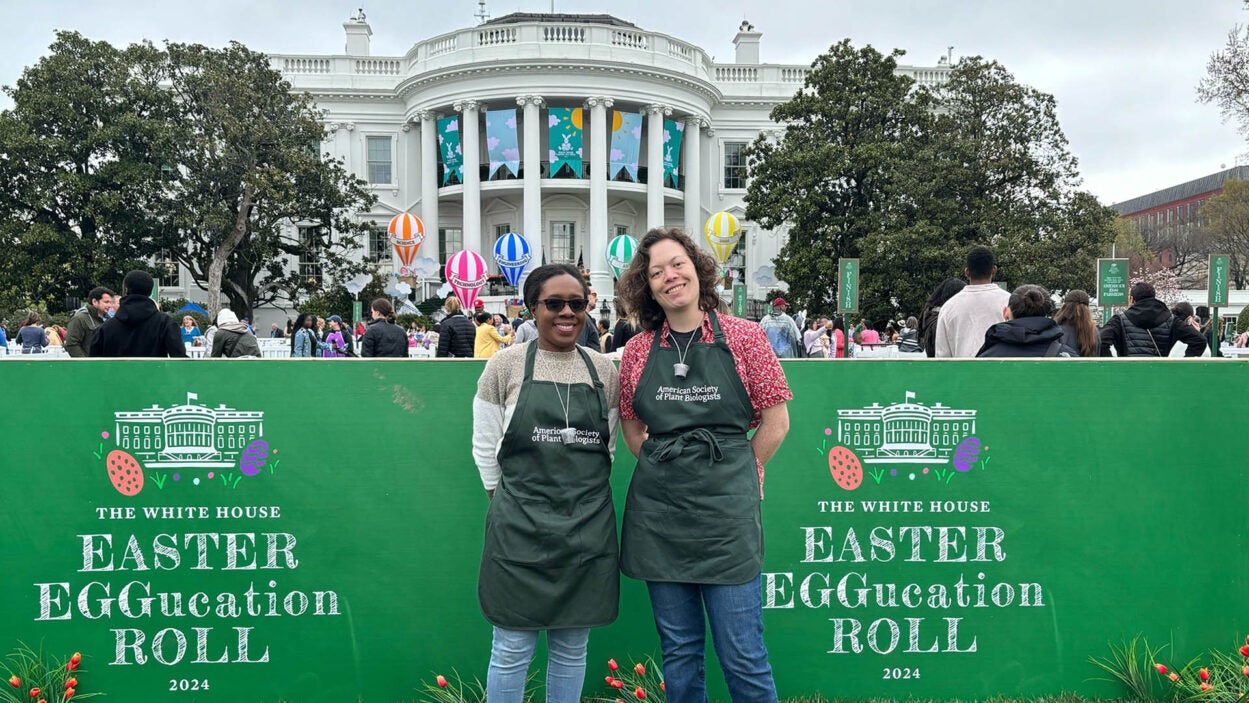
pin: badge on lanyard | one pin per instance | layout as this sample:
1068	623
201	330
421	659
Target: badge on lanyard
568	435
681	369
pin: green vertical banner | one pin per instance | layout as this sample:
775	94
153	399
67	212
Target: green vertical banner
739	300
356	310
449	147
1218	284
674	134
848	285
565	132
1112	282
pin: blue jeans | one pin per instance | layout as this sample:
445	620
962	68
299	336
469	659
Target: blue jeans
736	617
512	652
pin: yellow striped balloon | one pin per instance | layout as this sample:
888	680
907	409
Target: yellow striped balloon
723	232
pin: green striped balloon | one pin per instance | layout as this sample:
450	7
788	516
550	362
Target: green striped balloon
620	252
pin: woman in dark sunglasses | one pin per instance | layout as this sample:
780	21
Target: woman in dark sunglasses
544	426
693	382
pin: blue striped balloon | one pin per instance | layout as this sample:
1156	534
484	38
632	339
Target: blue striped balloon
511	253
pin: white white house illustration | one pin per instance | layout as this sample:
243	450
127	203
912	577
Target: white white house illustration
188	436
904	433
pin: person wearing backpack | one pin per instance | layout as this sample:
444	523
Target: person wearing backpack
1028	329
1148	328
233	338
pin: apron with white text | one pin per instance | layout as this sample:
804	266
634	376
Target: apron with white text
692	513
550	555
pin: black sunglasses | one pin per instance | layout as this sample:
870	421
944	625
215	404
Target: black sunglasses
556	305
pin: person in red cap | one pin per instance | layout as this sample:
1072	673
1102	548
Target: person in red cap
782	331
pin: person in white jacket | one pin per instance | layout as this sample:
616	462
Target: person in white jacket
966	317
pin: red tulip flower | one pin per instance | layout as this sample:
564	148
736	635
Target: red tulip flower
71	682
1174	677
43	700
1203	673
639	693
1206	687
617	683
442	681
34	692
641	670
15	682
69	693
1244	651
1162	669
608	679
665	689
1246	671
73	662
611	664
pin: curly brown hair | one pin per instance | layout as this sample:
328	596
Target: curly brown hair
635	289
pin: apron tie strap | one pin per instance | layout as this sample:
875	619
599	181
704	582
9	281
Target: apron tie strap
671	448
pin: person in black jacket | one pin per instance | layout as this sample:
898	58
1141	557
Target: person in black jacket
458	335
383	337
1147	328
139	328
1028	330
932	309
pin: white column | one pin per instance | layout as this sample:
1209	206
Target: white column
595	250
655	165
533	180
430	180
471	145
692	167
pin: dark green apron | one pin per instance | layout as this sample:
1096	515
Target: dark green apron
550	555
692	514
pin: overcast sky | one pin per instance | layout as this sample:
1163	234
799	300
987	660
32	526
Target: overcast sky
1124	72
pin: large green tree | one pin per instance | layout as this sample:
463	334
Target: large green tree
832	175
112	156
249	193
908	179
80	172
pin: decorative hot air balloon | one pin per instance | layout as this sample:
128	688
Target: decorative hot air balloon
620	252
723	232
406	232
466	272
511	253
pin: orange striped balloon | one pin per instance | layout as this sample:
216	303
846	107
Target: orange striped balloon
406	234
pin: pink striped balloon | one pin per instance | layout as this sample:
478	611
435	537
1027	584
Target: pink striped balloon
466	272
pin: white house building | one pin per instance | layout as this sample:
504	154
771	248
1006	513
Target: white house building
602	74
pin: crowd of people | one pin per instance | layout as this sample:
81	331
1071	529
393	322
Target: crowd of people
976	318
962	319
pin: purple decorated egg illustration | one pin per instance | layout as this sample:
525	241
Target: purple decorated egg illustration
966	454
253	457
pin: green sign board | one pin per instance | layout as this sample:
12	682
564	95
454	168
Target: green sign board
200	534
848	285
1218	285
739	300
356	310
1112	282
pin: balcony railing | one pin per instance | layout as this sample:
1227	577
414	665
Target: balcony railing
548	41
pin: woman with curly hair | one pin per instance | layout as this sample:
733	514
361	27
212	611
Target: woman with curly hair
693	382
